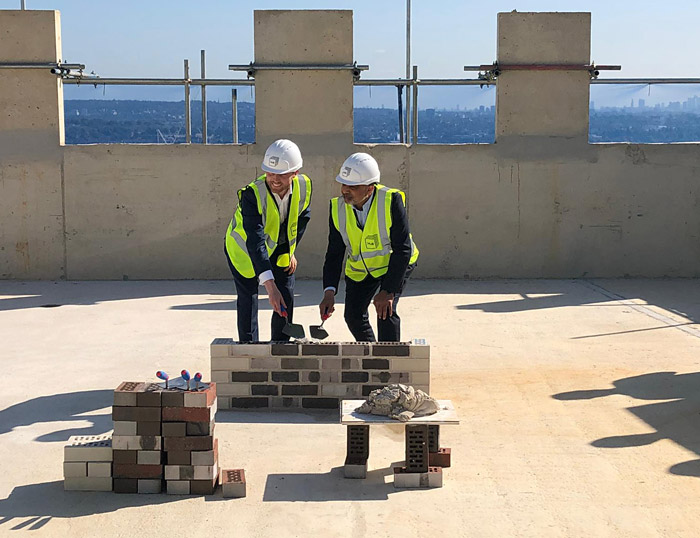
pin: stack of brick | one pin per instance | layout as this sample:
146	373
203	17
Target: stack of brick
137	439
314	375
190	449
87	463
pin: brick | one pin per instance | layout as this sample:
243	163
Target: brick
319	349
420	348
126	485
331	364
148	428
265	363
313	377
351	364
149	457
150	396
136	414
389	377
284	349
441	458
179	472
99	469
173	399
249	403
327	377
264	390
149	485
413	365
88	448
205	472
174	429
125	470
299	364
341	391
188	414
220	376
177	487
203	487
285	377
285	402
122	427
223	402
178	457
391	349
431	479
249	349
354	377
375	364
299	390
206	457
233	484
230	363
204	442
125	456
354	350
219	344
199	428
420	378
355	468
74	469
234	389
136	442
125	393
249	377
320	403
201	398
366	389
87	484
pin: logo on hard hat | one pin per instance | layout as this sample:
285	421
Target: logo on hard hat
273	160
346	171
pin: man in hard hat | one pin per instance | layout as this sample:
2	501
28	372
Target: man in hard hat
368	222
268	224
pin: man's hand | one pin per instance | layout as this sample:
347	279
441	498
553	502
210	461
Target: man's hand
292	265
276	300
327	306
384	303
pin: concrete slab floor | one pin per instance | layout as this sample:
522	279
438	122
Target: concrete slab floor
579	400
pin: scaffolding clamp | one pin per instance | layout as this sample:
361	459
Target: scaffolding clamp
491	72
252	68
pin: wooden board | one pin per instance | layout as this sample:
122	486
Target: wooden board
447	415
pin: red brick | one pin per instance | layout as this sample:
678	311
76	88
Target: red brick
441	458
201	398
204	442
124	470
187	414
233	483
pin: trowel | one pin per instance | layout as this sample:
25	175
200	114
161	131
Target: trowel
317	331
293	330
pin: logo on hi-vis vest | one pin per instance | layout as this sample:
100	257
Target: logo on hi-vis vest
293	230
372	242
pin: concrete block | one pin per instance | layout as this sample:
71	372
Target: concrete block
148	428
87	484
431	479
120	470
265	363
125	393
220	376
420	378
205	472
355	470
149	457
177	487
420	348
234	389
126	485
206	457
230	363
205	442
137	442
174	429
233	484
441	458
147	485
99	469
74	469
123	427
202	398
88	448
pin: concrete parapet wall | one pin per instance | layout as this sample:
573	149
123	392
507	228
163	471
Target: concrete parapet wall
312	376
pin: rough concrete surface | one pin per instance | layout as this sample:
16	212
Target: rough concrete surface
578	400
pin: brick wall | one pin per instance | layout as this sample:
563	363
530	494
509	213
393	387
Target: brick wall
312	376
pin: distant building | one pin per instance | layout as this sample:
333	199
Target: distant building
641	103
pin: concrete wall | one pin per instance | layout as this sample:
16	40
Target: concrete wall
540	202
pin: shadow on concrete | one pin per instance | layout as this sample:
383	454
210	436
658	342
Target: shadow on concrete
64	407
677	419
282	416
44	501
330	486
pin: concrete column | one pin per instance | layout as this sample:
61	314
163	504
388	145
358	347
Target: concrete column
31	135
313	108
543	103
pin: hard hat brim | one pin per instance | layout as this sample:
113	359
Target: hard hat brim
271	170
370	181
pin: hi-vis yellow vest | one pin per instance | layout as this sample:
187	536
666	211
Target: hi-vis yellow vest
368	250
236	235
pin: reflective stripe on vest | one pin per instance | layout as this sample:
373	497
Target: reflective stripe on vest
368	250
267	208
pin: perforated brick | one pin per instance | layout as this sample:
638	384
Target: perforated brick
233	483
125	393
88	448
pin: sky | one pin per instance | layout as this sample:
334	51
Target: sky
150	38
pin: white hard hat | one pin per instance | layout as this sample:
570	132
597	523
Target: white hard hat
359	169
283	156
